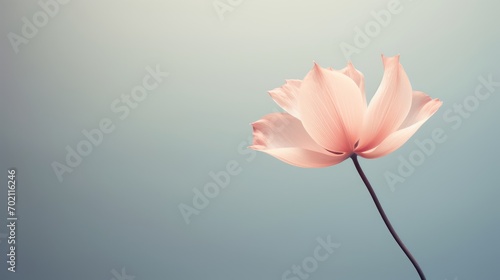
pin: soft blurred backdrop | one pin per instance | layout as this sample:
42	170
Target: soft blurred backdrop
117	213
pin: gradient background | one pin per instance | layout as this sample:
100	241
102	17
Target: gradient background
119	207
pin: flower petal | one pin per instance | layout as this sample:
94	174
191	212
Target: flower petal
286	96
357	77
389	106
331	109
283	136
422	109
418	102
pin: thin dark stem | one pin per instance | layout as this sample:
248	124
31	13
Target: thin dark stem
384	217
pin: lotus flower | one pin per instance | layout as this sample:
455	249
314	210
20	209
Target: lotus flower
327	120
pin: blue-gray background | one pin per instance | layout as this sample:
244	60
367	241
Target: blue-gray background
119	207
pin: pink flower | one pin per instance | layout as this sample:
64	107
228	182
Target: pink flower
328	120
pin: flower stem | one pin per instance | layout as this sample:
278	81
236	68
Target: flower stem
354	158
